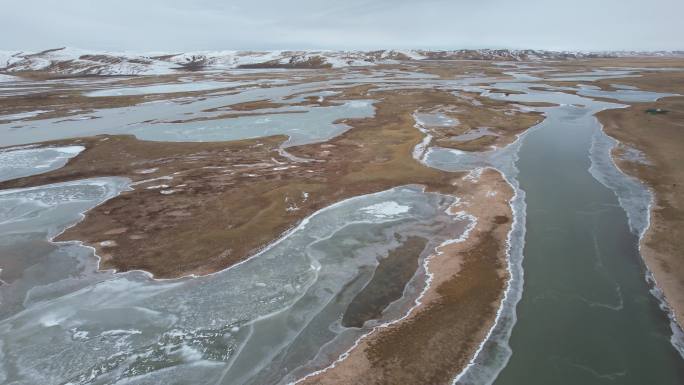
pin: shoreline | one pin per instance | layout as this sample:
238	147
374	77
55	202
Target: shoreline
652	158
416	303
197	178
425	292
355	364
509	286
430	182
657	290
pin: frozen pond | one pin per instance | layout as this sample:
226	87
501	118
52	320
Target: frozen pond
189	86
33	267
435	119
202	119
278	315
623	95
301	125
474	134
24	161
194	117
252	323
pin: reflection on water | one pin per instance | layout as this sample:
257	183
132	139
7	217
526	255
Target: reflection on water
310	125
388	282
586	305
151	120
474	134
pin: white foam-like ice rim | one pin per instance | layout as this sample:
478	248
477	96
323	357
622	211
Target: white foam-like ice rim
66	151
316	267
473	175
678	334
104	182
100	182
127	187
510	299
303	223
64	154
677	337
417	302
421	149
509	281
499	311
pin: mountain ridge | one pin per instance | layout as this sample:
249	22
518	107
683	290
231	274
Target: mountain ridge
74	61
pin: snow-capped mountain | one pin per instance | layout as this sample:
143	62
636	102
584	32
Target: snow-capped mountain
72	61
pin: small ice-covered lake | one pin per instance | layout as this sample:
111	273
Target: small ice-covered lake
250	324
27	160
202	119
168	88
279	314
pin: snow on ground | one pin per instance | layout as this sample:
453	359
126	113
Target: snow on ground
7	58
84	62
410	54
79	61
386	209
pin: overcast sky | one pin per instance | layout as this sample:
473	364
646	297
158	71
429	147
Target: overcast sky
184	25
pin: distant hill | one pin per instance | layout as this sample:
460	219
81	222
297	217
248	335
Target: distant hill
77	62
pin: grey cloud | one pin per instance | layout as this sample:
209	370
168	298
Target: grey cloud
175	25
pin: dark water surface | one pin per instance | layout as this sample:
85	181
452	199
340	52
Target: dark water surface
387	285
586	315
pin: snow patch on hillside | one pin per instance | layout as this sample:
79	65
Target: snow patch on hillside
74	61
